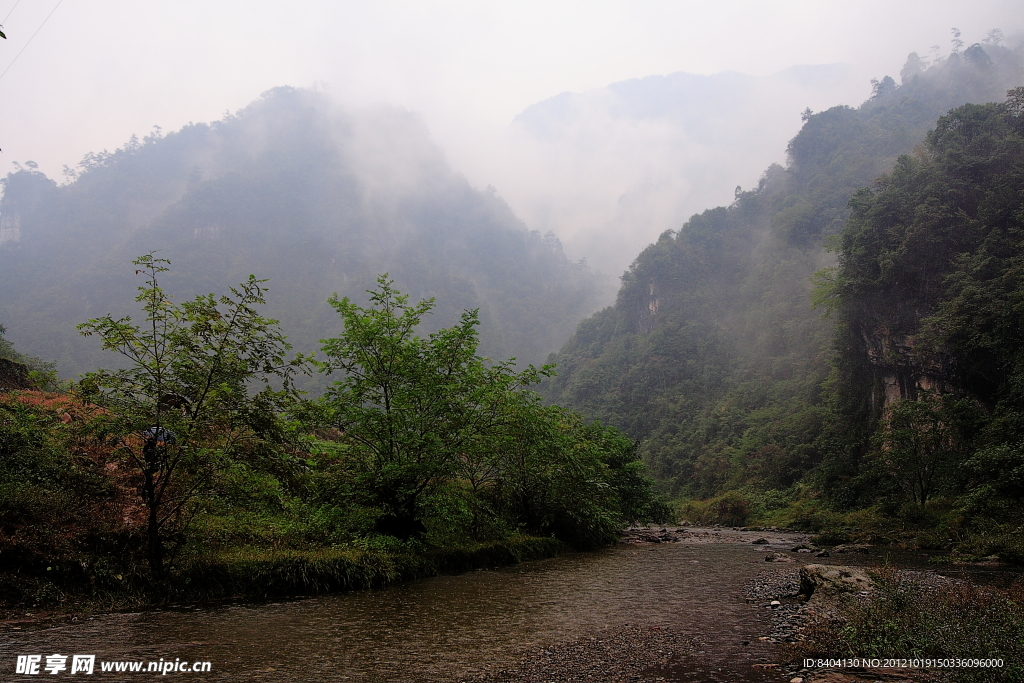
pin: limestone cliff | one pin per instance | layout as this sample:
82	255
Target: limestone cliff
901	370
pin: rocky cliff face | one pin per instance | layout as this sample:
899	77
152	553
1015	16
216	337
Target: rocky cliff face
647	311
901	370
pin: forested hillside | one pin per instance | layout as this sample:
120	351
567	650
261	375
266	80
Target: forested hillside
928	304
713	354
294	189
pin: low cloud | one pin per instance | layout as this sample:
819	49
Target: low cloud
610	169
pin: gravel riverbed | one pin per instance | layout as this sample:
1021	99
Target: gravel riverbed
643	653
631	653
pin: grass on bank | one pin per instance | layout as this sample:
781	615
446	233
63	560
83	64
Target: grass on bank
259	573
73	526
908	618
941	525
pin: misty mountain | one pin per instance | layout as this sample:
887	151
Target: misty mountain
295	189
712	353
616	166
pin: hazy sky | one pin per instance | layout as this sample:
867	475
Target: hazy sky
99	71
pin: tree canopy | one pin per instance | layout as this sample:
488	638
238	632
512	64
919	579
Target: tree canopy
927	293
185	406
430	433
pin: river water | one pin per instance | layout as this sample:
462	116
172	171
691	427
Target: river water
447	628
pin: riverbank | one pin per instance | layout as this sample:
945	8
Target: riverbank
266	574
903	615
792	628
632	612
675	607
257	575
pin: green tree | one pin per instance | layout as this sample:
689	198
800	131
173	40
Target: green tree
922	443
413	410
559	474
929	286
205	379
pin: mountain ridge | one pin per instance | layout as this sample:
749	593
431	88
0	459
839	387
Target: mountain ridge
293	188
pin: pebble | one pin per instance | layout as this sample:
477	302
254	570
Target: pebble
616	655
642	653
776	590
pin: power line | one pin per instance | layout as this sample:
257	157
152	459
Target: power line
9	13
33	36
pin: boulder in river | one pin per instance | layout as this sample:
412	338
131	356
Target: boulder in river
851	548
648	535
827	579
777	557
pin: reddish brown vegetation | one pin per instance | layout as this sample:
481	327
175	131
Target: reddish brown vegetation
76	501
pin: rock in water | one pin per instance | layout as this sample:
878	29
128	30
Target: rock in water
777	557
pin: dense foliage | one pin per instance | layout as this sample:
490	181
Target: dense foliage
185	407
427	431
927	297
199	455
59	514
713	355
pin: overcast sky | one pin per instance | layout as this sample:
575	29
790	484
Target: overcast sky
98	71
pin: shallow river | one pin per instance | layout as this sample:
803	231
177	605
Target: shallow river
452	628
445	628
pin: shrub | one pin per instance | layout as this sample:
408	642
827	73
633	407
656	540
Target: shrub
731	508
910	617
